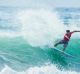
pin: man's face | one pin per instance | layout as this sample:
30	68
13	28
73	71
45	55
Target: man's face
68	32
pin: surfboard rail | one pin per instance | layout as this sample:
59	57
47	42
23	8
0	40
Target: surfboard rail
63	52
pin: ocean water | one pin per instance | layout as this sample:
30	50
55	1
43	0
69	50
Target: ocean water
28	35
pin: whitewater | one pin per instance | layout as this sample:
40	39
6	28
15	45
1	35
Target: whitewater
26	38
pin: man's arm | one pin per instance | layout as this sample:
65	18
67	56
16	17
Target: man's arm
75	31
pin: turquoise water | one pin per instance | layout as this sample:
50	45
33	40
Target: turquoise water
19	55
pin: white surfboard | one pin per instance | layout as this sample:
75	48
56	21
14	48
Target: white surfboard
63	52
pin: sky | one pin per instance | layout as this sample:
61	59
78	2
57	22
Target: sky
43	3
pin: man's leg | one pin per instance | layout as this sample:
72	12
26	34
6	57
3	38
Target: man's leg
58	43
65	45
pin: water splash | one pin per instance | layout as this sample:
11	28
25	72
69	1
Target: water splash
40	27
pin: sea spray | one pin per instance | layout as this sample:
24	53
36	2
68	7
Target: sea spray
40	27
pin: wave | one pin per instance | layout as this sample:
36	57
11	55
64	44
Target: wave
17	54
28	50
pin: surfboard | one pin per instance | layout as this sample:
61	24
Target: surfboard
62	52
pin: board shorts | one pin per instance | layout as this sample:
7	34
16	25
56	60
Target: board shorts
63	42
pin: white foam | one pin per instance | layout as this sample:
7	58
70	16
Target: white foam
48	69
40	27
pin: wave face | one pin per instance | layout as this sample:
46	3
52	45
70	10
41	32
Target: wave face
26	36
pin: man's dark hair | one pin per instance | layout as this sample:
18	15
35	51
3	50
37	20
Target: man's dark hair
67	30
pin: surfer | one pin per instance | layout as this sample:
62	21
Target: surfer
66	39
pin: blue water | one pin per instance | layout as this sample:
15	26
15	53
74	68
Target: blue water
26	36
